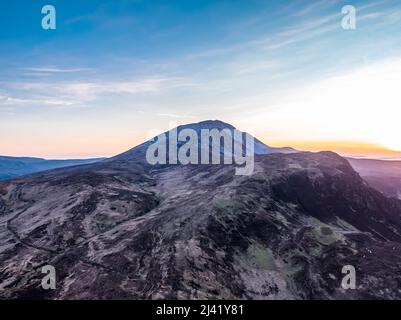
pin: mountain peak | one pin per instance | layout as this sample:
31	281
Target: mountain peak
138	152
208	124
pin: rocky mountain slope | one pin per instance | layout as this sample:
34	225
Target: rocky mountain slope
122	229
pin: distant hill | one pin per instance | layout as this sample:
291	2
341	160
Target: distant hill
383	175
12	167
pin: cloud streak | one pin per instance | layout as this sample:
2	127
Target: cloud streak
56	70
79	93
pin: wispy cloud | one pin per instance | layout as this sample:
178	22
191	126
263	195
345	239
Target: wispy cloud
175	115
7	100
297	32
313	7
307	25
56	70
77	93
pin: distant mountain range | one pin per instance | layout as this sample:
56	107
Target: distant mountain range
12	167
383	175
123	229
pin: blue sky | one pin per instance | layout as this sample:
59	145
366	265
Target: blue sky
113	71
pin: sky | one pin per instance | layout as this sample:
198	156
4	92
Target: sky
113	73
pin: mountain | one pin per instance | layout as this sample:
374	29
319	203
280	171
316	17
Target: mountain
382	175
124	229
138	152
11	167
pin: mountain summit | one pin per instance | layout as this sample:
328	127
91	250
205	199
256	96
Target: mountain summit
138	152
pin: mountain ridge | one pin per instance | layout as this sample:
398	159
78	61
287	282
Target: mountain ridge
12	167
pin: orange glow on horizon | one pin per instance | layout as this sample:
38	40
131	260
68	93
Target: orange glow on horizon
344	148
57	146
